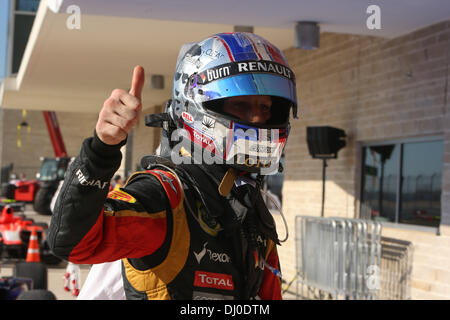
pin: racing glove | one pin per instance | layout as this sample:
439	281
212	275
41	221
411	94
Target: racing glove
72	279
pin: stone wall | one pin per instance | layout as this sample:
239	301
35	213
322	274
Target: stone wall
376	90
75	127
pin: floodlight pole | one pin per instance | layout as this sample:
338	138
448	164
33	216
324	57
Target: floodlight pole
323	185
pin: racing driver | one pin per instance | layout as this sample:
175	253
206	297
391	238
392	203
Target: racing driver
193	223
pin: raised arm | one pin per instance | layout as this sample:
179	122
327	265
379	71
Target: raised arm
90	226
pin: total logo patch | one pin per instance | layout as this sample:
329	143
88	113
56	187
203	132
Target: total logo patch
213	280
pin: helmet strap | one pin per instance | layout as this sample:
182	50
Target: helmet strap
227	182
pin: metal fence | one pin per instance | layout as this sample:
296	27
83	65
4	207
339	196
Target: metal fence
396	269
341	258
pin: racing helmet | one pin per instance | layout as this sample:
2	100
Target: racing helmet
228	65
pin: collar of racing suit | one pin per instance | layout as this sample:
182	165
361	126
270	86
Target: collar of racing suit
204	180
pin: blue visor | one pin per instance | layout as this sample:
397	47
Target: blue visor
247	84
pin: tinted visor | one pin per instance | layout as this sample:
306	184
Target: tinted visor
245	84
279	112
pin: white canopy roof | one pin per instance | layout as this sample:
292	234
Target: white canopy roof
75	70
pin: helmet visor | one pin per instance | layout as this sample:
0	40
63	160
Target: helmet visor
244	84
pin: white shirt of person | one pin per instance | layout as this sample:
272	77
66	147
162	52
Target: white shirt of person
104	282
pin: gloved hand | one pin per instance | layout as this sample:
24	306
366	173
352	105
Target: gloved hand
72	279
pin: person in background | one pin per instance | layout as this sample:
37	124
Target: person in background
117	182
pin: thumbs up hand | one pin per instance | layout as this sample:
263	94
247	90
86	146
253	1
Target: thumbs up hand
121	111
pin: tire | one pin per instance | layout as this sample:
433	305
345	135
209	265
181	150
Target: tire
37	271
9	190
15	251
43	199
4	189
38	294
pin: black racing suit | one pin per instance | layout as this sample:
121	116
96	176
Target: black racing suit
178	238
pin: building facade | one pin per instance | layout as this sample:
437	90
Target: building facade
386	94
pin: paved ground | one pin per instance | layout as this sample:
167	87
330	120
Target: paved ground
56	273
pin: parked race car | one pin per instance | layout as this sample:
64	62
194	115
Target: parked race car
15	231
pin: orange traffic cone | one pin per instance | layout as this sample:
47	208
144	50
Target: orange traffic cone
33	247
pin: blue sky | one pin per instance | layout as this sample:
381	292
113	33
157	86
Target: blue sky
4	18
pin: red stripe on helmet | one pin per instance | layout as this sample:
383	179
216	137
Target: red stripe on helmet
276	56
230	55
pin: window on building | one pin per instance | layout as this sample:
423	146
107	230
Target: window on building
27	5
402	181
22	21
